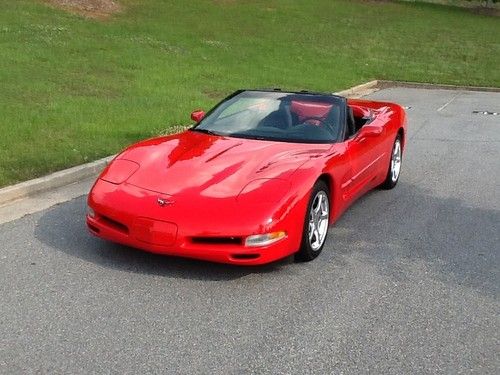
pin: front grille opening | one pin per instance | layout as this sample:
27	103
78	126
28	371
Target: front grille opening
113	224
217	240
245	256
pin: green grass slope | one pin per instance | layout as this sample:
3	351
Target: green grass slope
74	89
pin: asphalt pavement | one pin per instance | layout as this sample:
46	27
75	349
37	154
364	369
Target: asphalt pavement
408	281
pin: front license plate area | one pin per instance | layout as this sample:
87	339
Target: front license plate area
155	232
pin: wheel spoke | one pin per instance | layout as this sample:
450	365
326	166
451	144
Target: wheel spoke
320	201
316	234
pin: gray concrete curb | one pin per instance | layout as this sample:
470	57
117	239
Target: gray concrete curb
360	90
376	85
81	172
383	84
52	181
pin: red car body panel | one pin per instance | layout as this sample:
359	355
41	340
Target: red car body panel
199	195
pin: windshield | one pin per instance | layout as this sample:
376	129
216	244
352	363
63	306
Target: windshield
278	116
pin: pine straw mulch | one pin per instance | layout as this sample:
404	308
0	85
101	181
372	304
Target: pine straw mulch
99	9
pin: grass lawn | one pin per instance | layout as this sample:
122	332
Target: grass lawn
74	89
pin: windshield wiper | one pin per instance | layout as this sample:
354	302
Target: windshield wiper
205	131
250	136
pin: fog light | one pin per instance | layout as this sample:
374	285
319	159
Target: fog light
90	212
264	239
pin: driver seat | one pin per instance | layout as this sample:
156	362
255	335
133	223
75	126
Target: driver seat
280	118
302	110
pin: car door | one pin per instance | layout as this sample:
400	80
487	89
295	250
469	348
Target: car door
364	152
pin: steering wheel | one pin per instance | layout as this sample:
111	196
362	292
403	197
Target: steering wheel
314	118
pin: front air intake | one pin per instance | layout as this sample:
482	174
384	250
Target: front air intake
113	224
217	240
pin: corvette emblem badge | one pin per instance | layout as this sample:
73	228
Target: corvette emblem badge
164	202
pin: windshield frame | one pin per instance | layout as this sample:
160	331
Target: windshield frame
335	99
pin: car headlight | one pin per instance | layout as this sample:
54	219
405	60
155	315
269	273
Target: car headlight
120	170
257	240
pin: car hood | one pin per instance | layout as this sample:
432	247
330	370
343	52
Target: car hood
213	166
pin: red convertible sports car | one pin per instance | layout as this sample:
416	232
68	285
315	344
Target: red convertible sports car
259	177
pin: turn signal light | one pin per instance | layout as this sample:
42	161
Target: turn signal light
90	212
264	239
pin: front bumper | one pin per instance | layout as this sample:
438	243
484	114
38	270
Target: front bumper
129	216
183	247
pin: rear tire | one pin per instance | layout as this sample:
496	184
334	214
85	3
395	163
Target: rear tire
394	170
316	223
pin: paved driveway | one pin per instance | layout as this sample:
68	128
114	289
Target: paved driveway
408	282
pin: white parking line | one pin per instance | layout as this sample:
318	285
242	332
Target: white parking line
448	103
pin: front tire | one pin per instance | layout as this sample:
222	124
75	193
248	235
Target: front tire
394	169
316	223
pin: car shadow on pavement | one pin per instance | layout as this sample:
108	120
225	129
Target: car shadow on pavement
63	228
410	232
396	231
